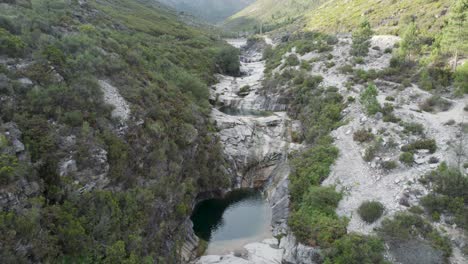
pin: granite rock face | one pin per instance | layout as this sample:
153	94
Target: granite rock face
255	132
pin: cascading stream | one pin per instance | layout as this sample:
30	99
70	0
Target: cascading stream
256	141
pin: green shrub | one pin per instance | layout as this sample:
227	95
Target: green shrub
227	58
346	69
311	168
413	128
389	165
435	103
268	53
356	249
8	166
413	231
372	150
363	135
390	98
369	100
74	118
358	60
11	45
292	60
306	66
244	90
429	144
361	40
461	79
407	158
370	211
315	228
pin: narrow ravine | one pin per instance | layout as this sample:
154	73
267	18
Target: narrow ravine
254	130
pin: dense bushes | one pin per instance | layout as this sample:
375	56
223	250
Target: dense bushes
426	144
449	196
227	58
413	128
316	222
356	249
11	45
413	240
407	158
435	103
363	135
8	168
163	69
370	211
461	79
303	42
361	40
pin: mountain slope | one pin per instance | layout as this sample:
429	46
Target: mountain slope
339	15
385	16
210	10
105	138
270	13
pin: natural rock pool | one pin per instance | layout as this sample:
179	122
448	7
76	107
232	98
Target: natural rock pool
228	223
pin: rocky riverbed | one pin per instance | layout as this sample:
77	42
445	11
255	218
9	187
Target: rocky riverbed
256	135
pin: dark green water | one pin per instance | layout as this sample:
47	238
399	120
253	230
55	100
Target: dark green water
240	215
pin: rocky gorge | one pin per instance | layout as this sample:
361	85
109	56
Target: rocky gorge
255	131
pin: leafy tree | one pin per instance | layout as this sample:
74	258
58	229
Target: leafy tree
369	99
455	37
410	43
461	78
361	40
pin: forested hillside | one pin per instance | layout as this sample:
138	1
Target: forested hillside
338	16
269	14
104	133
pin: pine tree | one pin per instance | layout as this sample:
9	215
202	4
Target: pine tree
361	40
455	38
410	43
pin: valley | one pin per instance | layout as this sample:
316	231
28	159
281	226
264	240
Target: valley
288	132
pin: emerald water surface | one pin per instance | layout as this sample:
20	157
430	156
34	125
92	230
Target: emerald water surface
228	223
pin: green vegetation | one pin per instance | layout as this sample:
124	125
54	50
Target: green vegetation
10	44
407	158
461	79
357	249
313	219
268	15
363	135
381	15
413	240
371	211
292	60
449	196
163	68
361	40
412	128
435	103
304	42
427	144
369	100
455	36
389	165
